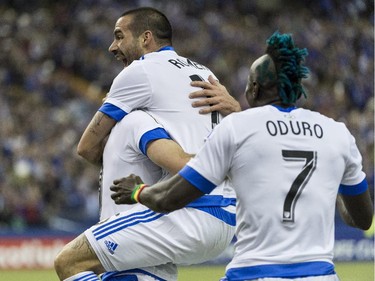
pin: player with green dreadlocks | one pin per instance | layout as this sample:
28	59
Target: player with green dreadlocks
287	59
279	72
287	165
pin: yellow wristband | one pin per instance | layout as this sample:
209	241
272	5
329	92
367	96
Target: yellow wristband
137	190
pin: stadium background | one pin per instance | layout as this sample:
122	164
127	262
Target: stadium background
55	69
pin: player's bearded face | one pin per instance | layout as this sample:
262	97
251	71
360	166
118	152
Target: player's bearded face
129	52
125	46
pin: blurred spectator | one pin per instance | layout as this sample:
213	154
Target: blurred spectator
55	69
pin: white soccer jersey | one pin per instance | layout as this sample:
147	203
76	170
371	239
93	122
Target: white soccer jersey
160	84
286	167
124	154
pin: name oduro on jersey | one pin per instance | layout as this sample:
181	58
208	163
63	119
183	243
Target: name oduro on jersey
279	127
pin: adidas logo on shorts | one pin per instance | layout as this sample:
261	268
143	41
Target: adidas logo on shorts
111	246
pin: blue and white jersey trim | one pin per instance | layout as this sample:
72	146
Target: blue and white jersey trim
294	270
112	111
213	201
196	179
166	48
127	275
155	134
282	109
121	223
209	203
353	189
90	276
221	214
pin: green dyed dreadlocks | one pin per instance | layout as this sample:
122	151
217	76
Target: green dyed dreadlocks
288	61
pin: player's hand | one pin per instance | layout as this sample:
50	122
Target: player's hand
215	97
123	188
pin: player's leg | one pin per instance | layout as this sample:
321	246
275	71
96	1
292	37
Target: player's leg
143	238
69	268
77	257
78	261
113	246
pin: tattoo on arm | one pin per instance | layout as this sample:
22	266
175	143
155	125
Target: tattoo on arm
98	119
95	122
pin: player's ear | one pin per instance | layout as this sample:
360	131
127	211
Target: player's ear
146	37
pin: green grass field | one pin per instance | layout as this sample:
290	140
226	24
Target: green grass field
346	272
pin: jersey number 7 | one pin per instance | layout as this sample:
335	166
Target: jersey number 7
300	181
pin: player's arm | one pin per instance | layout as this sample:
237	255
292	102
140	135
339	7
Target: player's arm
170	195
356	210
214	97
163	197
167	154
92	142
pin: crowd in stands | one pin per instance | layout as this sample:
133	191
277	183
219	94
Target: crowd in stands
55	69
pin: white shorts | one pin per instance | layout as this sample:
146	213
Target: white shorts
142	238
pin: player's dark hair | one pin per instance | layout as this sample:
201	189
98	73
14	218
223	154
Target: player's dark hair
147	18
288	61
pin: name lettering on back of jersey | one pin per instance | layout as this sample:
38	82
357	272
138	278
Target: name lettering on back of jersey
280	128
188	63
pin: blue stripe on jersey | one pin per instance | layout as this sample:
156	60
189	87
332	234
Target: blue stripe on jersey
294	270
221	214
155	134
91	276
124	275
112	111
212	201
123	222
353	189
106	223
166	48
288	109
196	179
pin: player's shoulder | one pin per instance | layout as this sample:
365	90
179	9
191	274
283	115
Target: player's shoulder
139	115
254	113
133	73
324	118
334	127
137	119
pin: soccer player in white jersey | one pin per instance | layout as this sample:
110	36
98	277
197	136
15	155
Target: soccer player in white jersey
287	165
130	143
156	79
125	153
140	243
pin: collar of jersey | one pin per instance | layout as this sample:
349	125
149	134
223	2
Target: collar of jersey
288	109
165	48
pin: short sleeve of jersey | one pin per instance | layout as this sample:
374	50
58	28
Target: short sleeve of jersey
353	181
130	90
211	164
143	129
